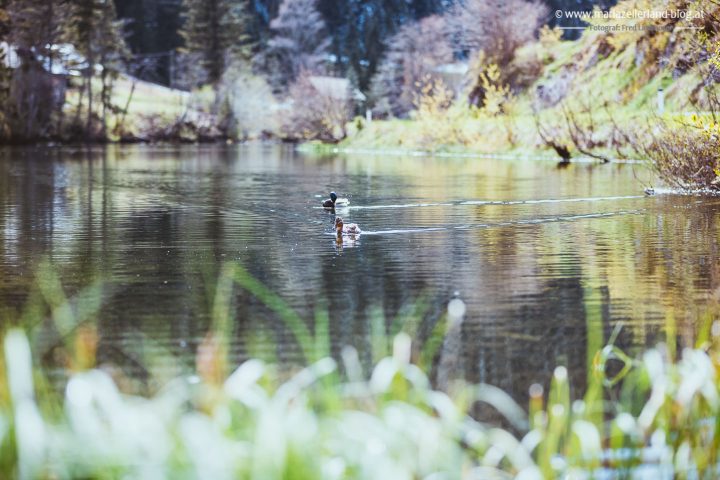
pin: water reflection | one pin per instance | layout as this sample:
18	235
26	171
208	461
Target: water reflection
540	256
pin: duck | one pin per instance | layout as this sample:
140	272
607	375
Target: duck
350	228
330	202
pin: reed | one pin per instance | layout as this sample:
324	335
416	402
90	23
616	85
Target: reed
336	419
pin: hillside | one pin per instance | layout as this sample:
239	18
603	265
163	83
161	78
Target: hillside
586	95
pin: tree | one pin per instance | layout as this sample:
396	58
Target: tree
96	33
215	31
489	32
5	71
32	29
112	53
361	28
299	42
153	35
413	55
495	27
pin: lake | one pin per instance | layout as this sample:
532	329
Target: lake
540	255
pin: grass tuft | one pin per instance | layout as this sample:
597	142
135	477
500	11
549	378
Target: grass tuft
332	419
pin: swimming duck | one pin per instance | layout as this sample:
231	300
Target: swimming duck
330	202
350	228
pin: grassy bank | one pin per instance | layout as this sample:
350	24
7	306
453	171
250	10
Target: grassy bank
141	111
335	417
595	97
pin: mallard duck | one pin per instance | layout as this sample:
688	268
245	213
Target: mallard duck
330	202
350	228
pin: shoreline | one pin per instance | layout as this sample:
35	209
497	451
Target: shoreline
321	148
331	148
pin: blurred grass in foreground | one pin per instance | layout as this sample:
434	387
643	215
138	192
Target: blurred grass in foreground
657	417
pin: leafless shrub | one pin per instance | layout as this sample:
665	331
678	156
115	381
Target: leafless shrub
582	131
32	97
320	108
494	31
685	155
36	94
684	150
551	138
413	55
497	27
575	129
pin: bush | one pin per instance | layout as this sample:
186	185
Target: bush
496	28
319	108
413	54
251	105
684	155
438	121
489	94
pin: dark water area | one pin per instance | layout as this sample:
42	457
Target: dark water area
548	261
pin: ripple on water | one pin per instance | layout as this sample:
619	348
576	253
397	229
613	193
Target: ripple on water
539	256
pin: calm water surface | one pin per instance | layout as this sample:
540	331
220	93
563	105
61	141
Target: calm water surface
540	255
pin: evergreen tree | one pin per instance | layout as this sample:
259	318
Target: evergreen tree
300	42
359	29
153	35
367	25
215	31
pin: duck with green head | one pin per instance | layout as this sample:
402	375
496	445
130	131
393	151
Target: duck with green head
330	203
